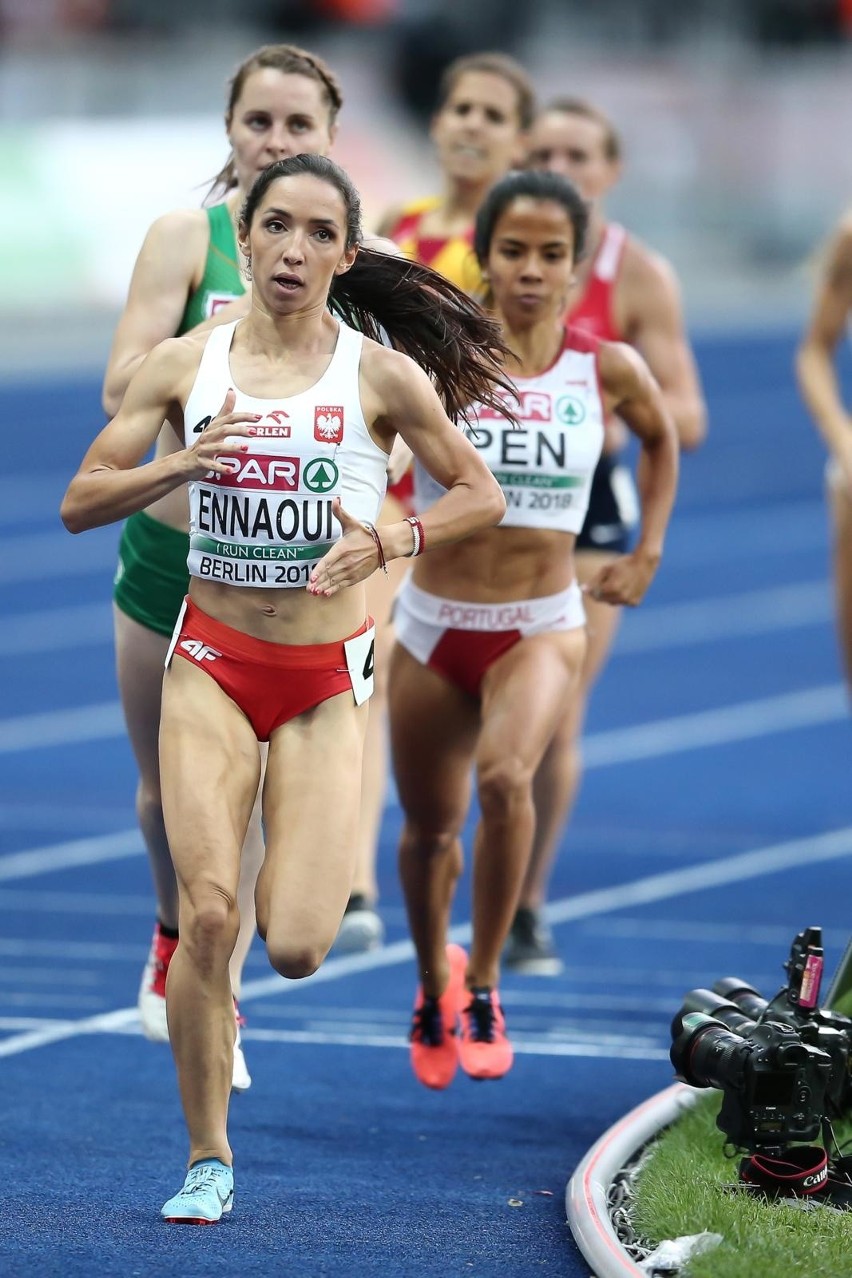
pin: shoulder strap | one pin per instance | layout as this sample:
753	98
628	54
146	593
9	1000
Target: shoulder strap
222	230
609	254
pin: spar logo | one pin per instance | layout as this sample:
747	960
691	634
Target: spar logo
529	406
328	423
258	474
570	410
320	475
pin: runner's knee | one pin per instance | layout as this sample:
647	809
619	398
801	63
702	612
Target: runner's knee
503	784
427	840
293	959
209	925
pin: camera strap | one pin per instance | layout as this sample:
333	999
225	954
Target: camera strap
802	1171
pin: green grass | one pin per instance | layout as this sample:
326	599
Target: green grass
682	1191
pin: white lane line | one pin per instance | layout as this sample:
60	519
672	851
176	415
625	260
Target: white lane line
29	1022
74	902
757	612
100	722
690	931
25	499
654	887
809	708
62	856
651	629
88	951
56	629
46	556
104	1023
526	1045
710	874
698	539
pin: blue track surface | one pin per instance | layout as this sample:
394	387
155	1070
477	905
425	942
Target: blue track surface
719	730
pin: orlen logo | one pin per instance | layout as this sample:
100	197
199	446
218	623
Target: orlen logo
532	406
273	426
328	423
258	474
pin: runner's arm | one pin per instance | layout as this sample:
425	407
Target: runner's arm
658	332
111	483
815	367
156	299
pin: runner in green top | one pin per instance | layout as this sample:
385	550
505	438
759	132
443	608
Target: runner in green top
281	101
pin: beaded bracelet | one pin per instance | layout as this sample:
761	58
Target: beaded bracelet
374	533
419	536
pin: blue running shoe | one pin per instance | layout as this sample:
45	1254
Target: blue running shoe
208	1192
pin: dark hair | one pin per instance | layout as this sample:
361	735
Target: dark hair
419	311
289	59
498	64
533	184
579	106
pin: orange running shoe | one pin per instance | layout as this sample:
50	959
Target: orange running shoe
434	1038
484	1049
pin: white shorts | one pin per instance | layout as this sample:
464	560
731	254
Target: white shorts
460	640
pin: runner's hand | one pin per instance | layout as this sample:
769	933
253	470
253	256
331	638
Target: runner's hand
350	560
218	437
624	581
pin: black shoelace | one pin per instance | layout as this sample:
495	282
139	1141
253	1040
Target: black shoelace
481	1014
428	1024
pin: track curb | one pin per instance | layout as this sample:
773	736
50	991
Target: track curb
586	1191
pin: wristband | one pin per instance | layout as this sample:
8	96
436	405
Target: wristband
374	533
419	537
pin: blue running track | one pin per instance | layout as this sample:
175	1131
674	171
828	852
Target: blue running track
715	822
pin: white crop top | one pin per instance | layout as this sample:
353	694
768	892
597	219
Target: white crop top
545	466
269	520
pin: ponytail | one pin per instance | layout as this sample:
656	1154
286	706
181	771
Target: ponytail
421	313
432	321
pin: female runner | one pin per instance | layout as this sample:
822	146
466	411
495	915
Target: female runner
485	102
491	635
623	292
282	100
298	412
821	392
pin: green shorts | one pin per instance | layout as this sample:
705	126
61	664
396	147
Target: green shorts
151	580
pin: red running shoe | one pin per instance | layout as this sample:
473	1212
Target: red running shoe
434	1038
484	1050
152	991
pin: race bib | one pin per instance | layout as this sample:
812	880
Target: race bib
360	655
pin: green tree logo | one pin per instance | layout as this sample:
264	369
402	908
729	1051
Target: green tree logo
570	410
320	475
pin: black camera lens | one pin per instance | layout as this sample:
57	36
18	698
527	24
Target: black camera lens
746	997
712	1005
707	1054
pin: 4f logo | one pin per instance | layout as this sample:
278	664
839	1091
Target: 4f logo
199	651
328	423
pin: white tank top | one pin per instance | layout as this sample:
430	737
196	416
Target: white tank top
268	520
545	468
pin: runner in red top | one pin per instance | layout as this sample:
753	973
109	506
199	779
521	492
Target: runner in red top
624	292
